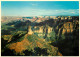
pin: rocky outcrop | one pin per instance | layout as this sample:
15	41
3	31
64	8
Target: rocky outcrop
30	30
67	27
42	30
7	37
50	29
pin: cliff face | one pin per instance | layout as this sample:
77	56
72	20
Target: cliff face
42	30
60	27
30	30
68	27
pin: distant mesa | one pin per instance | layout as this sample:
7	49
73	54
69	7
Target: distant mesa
34	18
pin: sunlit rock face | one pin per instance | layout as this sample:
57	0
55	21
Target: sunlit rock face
66	18
67	27
49	29
45	30
64	30
30	30
7	37
41	30
38	20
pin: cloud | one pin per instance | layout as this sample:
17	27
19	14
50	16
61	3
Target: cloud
38	12
56	10
34	4
73	12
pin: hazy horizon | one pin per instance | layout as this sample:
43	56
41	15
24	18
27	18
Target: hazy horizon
39	8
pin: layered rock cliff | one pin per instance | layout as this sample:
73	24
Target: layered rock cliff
42	31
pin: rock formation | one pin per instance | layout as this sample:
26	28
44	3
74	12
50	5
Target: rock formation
30	30
42	30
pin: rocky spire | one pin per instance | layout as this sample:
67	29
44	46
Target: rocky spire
29	30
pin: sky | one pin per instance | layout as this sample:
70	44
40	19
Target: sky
39	8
